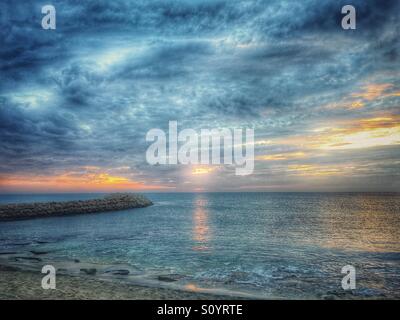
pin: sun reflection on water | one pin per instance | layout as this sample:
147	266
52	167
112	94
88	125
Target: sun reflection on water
201	229
366	223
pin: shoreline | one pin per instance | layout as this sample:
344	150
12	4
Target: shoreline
17	284
21	279
110	202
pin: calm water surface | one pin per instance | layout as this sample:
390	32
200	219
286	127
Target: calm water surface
290	245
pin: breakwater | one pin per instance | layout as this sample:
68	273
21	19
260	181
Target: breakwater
112	202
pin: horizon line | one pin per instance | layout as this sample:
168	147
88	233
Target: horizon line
199	192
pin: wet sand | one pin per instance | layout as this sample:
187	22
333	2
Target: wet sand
17	284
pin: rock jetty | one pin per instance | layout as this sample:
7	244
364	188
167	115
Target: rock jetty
112	202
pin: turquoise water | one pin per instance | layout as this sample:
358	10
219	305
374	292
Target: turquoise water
266	245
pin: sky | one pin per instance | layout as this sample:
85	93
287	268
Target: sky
76	102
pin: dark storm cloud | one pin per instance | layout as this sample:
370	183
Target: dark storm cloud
77	85
31	139
165	62
293	19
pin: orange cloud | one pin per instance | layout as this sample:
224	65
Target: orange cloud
373	91
378	131
72	182
367	94
202	170
350	134
316	170
363	133
356	104
281	156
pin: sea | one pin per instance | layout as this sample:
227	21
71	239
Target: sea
250	245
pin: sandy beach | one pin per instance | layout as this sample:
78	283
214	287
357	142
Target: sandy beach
17	284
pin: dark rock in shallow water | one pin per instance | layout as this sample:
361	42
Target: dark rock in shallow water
38	252
169	277
113	202
8	268
90	271
121	272
20	243
28	258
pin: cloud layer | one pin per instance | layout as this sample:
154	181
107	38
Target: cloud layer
84	95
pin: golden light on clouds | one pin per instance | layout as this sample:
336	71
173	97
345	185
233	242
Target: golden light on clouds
198	178
202	170
363	133
373	91
349	134
363	139
378	131
356	104
366	95
281	156
316	170
73	182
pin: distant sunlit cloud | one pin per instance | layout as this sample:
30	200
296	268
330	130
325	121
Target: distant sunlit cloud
365	95
350	134
374	91
317	170
281	156
73	182
202	170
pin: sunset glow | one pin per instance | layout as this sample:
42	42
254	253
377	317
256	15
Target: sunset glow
315	170
72	182
282	156
353	134
202	170
373	91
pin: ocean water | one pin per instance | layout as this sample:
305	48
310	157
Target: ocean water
260	245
